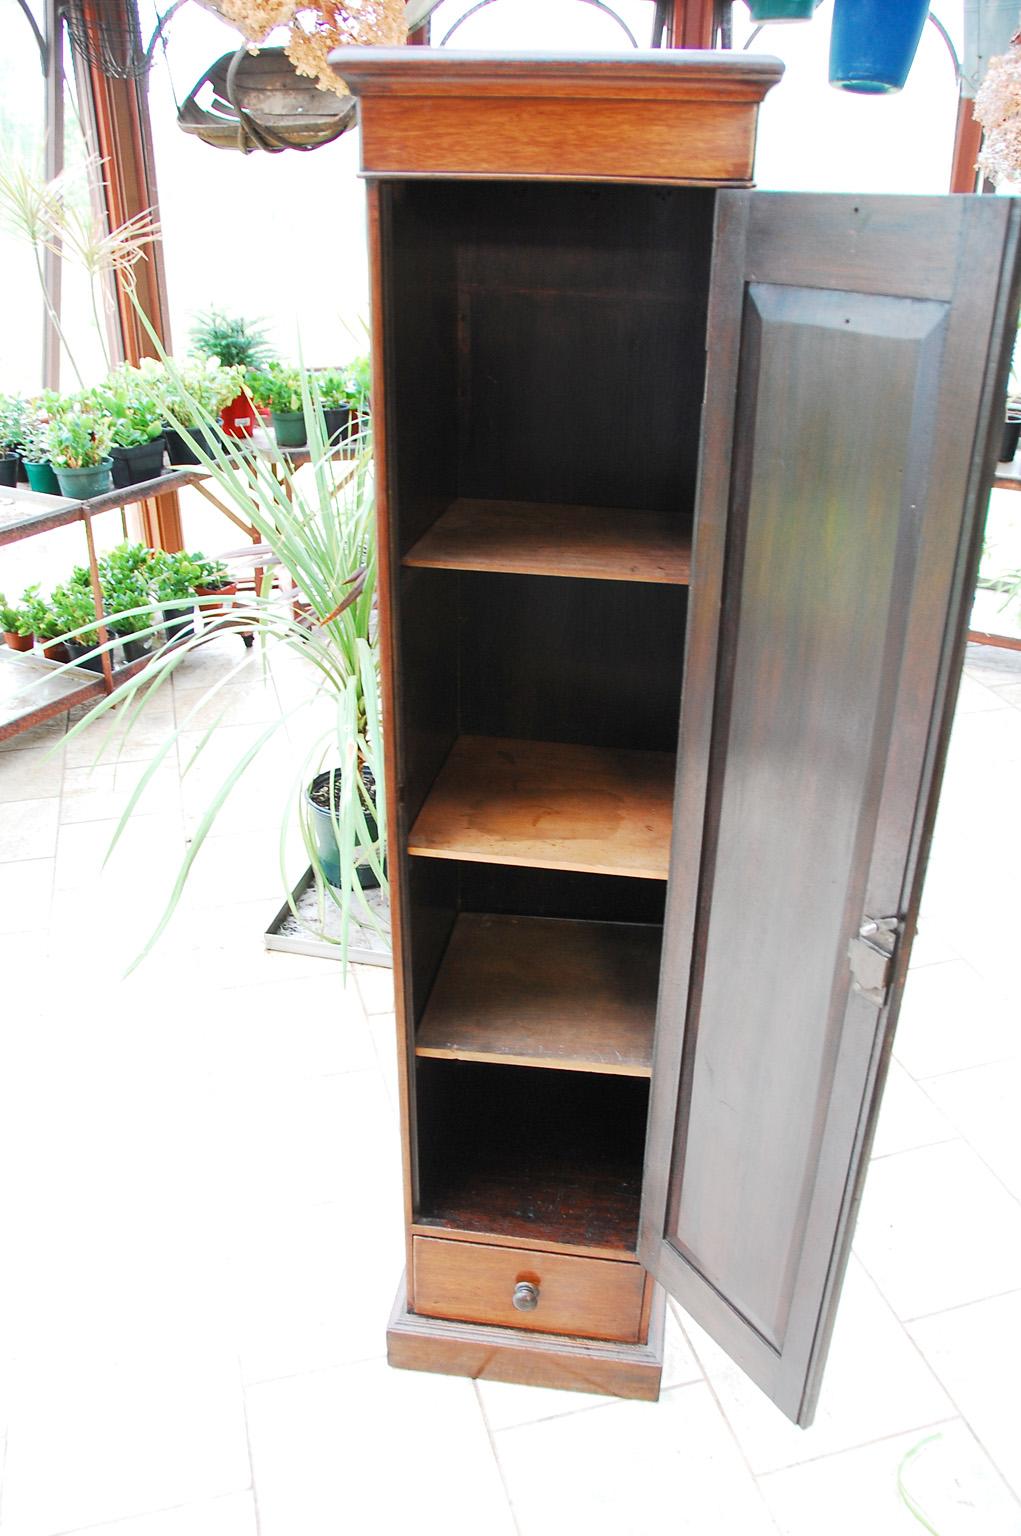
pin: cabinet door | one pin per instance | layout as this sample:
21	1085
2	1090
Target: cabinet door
856	369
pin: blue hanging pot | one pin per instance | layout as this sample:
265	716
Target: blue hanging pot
873	43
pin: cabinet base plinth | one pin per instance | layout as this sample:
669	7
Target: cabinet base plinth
417	1343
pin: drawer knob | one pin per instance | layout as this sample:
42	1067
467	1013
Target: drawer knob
526	1296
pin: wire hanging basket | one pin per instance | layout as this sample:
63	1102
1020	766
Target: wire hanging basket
257	101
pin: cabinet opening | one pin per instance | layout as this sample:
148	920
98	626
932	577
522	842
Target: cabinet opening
553	1158
546	367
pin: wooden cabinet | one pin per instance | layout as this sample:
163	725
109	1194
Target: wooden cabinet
680	490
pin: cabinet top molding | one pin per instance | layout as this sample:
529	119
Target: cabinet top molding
664	115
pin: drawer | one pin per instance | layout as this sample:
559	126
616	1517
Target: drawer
556	1293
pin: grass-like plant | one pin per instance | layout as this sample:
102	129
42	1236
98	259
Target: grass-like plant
319	525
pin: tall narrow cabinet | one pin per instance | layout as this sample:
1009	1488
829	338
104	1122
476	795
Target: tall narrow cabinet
680	491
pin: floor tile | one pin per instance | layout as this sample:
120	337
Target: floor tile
907	1117
974	695
230	1516
45	735
376	985
247	703
952	1018
131	1432
633	1467
26	890
34	774
28	830
364	1448
984	1103
950	1481
976	1353
868	1345
937	1229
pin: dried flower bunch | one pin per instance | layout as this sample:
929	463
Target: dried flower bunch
315	30
998	109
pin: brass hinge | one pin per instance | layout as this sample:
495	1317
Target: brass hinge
871	955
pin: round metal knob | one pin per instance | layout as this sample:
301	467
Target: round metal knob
526	1296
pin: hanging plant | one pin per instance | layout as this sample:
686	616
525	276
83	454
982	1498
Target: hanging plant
315	30
998	109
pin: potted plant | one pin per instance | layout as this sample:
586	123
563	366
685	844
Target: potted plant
359	379
16	624
127	597
46	626
332	388
192	398
137	425
321	528
79	438
234	343
214	587
13	414
34	443
173	577
280	389
75	608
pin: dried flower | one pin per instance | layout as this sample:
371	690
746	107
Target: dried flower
998	109
315	30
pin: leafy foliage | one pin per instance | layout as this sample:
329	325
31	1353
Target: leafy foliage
232	341
79	435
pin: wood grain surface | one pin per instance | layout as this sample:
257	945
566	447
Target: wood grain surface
551	805
472	1282
545	992
528	538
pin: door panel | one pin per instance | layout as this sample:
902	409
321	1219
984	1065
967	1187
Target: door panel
846	429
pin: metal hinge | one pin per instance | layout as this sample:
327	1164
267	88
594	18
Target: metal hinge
871	955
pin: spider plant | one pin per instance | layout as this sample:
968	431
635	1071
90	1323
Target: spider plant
318	523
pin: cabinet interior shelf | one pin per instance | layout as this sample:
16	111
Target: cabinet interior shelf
538	539
550	805
545	992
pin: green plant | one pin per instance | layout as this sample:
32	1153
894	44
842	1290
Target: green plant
79	435
75	609
234	342
124	576
134	412
45	623
214	574
174	576
359	379
35	431
320	527
14	412
277	387
14	621
332	387
195	394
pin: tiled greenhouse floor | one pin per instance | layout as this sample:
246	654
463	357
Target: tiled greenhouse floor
199	1209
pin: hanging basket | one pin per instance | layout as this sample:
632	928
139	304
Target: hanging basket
873	43
257	101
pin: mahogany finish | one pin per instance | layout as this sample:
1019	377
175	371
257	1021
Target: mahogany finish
545	992
549	804
667	117
591	1298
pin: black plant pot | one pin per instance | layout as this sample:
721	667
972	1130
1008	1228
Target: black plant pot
138	647
180	452
22	471
9	465
133	465
1008	440
338	419
326	842
79	654
178	623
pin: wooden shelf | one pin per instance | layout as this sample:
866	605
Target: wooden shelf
549	805
545	992
535	539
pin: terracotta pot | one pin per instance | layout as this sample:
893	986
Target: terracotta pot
18	642
56	650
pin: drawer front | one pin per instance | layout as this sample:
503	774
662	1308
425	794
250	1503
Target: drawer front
519	1288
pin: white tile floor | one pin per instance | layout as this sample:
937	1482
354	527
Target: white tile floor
199	1209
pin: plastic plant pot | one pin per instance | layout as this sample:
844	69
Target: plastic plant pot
131	466
9	470
83	484
289	428
873	44
41	477
782	10
321	822
179	451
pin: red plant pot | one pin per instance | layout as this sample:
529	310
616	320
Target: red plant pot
56	650
18	642
239	418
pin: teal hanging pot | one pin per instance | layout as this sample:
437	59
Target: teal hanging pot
873	43
782	10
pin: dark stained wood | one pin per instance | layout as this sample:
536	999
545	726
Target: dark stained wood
545	992
591	1298
552	805
860	431
559	893
681	117
417	1343
602	543
551	1159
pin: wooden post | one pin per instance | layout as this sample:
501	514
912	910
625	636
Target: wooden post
693	24
54	164
116	119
